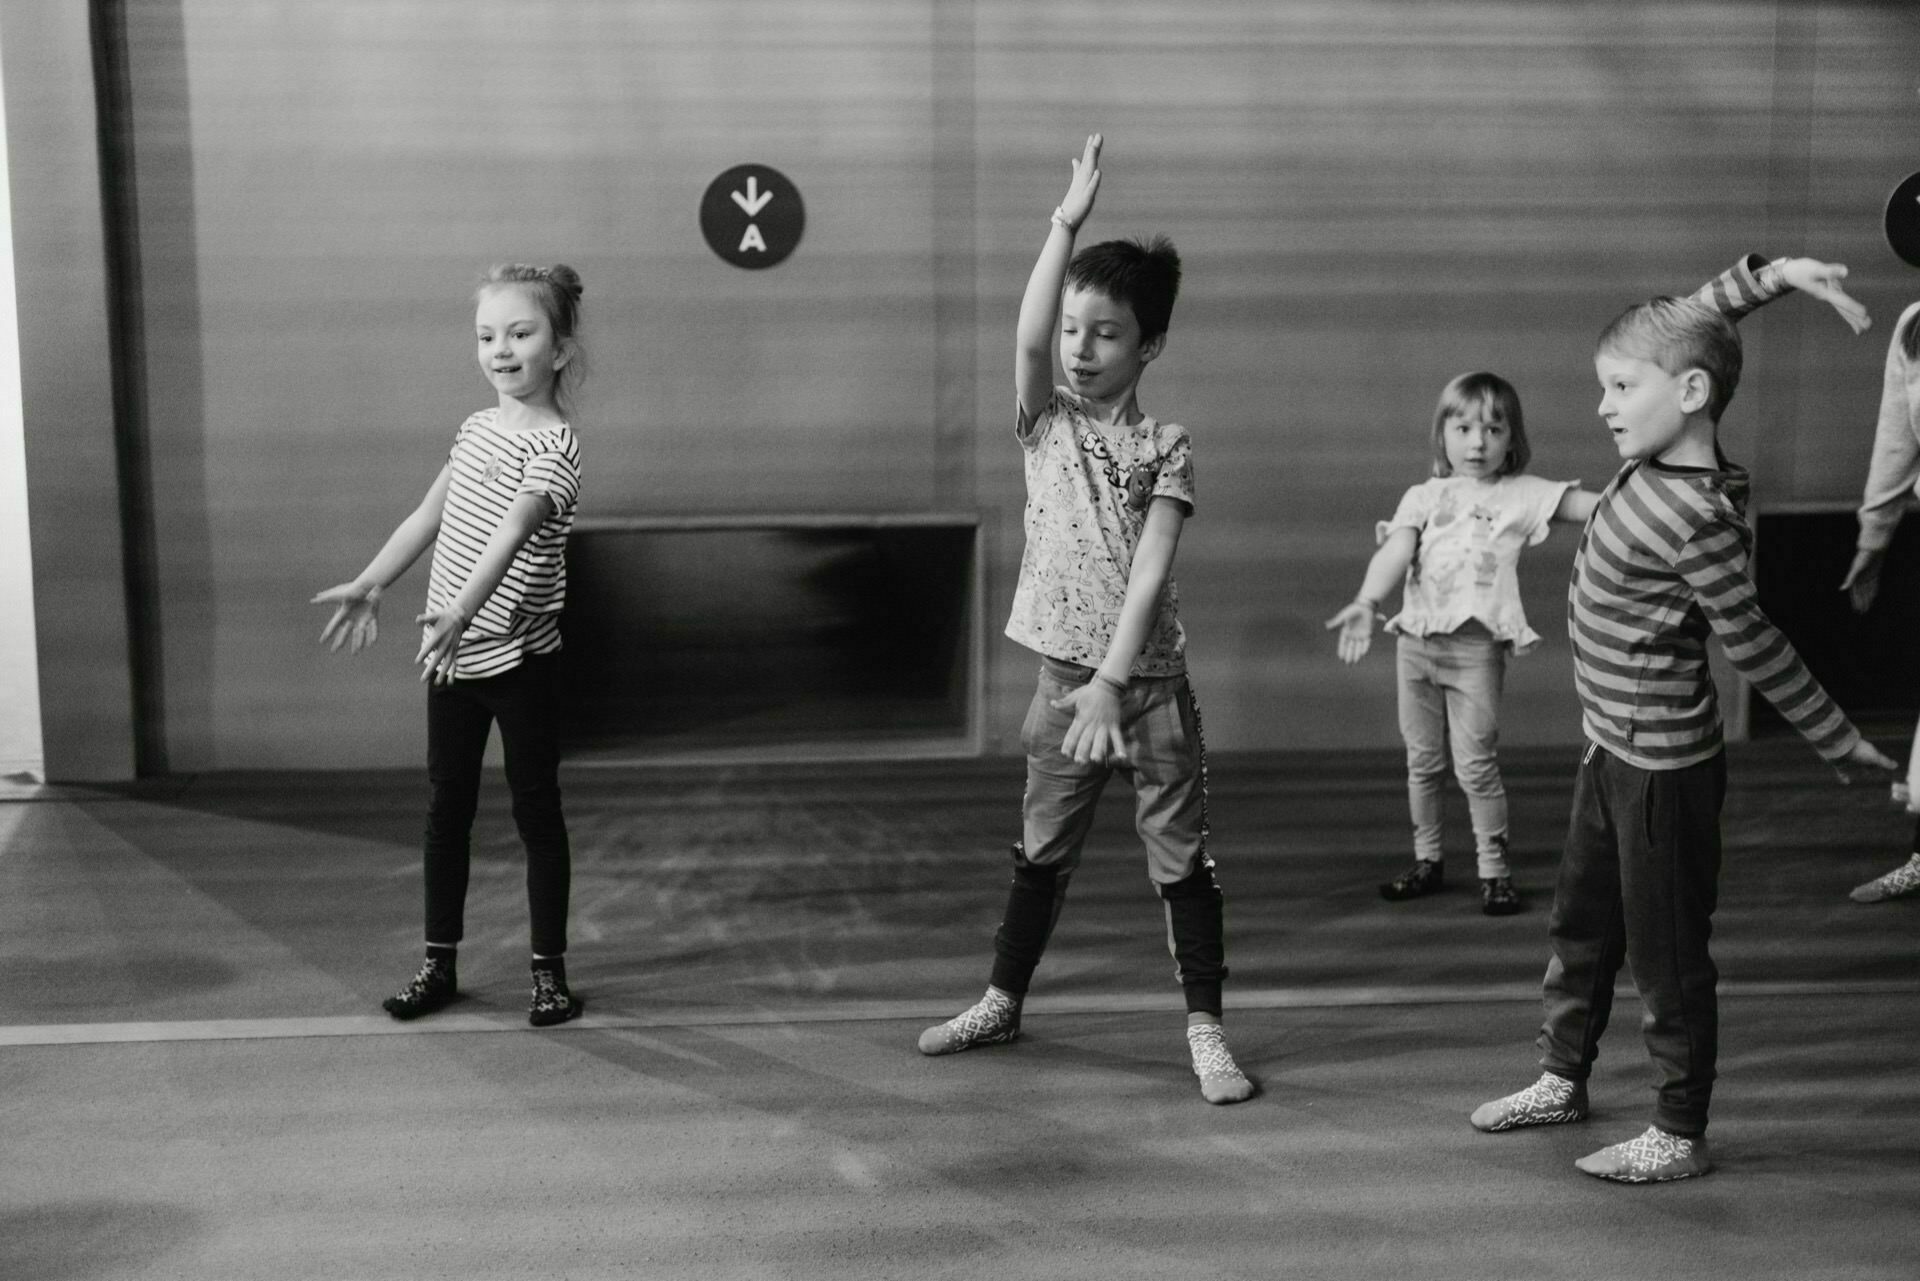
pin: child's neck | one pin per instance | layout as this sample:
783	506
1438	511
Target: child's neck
1122	410
1698	445
528	415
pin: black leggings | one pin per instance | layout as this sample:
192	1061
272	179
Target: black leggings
526	703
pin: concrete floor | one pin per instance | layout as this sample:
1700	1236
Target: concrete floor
199	1084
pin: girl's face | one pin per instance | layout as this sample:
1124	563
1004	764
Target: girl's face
517	353
1476	444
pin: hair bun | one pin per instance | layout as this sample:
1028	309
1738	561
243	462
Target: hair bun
567	278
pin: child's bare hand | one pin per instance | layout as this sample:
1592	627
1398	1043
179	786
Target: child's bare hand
356	616
1822	280
1865	761
1355	623
1086	180
1095	733
440	643
1862	582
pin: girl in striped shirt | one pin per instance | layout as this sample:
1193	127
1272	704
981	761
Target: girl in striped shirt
497	517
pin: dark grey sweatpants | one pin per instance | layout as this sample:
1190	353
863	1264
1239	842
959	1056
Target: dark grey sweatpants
1638	883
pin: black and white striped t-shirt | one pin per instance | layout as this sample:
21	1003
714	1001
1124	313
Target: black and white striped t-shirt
491	468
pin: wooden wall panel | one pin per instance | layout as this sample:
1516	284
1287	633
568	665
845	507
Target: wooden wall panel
1371	197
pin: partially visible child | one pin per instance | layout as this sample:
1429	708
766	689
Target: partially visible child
1456	540
1893	476
1662	564
1108	489
497	517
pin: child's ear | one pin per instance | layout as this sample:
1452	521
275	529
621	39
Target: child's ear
1696	389
1153	346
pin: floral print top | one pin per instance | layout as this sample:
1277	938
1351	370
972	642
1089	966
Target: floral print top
1088	489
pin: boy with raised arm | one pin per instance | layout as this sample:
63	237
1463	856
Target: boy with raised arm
1108	489
1663	562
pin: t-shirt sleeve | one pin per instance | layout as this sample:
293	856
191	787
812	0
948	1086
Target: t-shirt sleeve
1031	431
1415	506
554	475
1175	477
1540	500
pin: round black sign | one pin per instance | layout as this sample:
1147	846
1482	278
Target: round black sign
752	216
1903	220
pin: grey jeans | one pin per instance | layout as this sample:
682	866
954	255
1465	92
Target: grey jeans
1450	698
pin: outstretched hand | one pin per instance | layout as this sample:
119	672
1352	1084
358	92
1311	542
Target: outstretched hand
1095	733
1355	623
1862	582
1822	280
356	616
440	643
1865	761
1086	181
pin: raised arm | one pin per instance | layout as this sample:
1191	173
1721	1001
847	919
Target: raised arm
1384	572
1040	305
1753	282
440	644
1095	733
357	603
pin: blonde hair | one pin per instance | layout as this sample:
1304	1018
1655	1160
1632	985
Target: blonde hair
1679	334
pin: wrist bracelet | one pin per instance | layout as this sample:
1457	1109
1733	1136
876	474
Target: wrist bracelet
1059	220
1113	686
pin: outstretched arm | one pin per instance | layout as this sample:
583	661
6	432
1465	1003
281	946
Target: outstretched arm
1384	571
1576	505
356	616
1095	732
1040	305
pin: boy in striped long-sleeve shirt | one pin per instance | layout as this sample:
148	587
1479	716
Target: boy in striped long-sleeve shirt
1663	563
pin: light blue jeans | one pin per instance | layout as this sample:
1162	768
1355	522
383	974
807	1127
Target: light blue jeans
1450	697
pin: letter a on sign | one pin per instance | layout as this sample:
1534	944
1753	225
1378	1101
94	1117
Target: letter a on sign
752	216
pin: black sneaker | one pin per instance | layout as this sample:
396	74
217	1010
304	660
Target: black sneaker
432	988
553	1002
1498	897
1426	876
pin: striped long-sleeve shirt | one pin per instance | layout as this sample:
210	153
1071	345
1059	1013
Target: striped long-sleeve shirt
1663	562
491	468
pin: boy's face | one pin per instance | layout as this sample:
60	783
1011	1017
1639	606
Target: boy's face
1476	444
1646	408
1100	344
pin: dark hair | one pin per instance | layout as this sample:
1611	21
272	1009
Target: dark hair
1679	334
1495	398
1143	275
558	291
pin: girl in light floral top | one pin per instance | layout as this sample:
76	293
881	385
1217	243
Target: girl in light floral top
1456	539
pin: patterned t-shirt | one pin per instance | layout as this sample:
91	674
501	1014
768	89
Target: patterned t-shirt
1466	565
1088	490
491	468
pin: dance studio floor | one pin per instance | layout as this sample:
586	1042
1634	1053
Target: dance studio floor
196	1080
